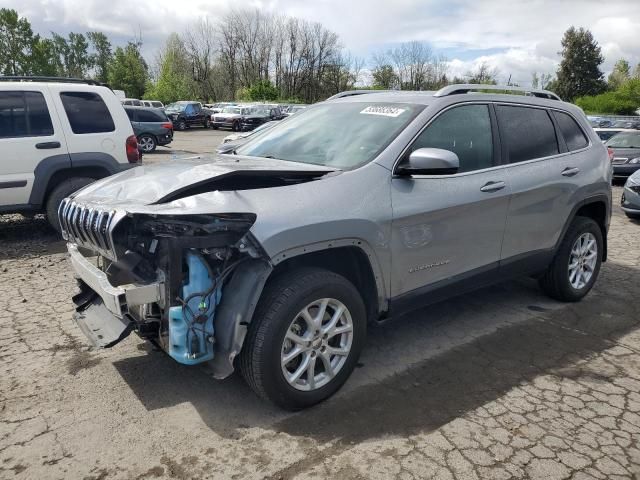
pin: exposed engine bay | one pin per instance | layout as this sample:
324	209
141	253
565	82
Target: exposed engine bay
192	259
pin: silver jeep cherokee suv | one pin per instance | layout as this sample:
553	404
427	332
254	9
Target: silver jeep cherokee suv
357	209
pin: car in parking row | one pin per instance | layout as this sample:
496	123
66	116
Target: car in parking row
245	117
151	127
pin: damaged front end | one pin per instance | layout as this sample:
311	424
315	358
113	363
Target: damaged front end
188	283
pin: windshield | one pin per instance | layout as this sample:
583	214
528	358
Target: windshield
176	107
234	110
340	135
625	140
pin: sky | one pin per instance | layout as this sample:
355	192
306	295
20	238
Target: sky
518	37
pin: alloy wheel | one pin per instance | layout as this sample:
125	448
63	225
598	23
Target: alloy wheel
582	260
317	344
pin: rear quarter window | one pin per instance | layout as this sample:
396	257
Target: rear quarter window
151	116
528	132
573	135
87	112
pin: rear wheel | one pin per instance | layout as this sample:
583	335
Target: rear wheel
59	193
235	127
305	338
576	264
206	123
147	143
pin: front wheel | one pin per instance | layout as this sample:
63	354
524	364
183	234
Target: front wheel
305	338
182	125
206	123
576	265
59	193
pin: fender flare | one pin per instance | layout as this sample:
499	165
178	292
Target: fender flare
343	242
48	167
599	198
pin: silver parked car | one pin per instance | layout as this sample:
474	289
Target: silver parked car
631	196
357	209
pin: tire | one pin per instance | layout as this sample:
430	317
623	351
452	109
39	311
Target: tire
556	281
277	312
147	143
215	127
182	125
235	127
61	191
206	123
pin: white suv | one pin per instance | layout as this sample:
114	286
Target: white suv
56	136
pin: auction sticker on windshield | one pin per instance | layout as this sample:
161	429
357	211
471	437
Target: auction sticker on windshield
384	111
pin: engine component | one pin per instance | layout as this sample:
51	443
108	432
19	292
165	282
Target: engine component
191	325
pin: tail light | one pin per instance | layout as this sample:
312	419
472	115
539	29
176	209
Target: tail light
610	152
168	125
133	156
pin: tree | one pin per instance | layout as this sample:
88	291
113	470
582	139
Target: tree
71	55
101	56
579	72
623	101
129	71
174	81
262	91
543	81
483	73
384	77
16	39
42	60
620	74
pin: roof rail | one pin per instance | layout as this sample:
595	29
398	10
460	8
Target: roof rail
351	93
469	87
27	78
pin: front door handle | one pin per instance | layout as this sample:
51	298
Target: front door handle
47	145
570	171
493	186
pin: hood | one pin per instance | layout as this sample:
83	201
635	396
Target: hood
168	181
227	115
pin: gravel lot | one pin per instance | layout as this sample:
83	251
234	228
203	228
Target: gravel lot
503	383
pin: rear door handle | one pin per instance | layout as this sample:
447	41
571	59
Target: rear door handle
47	145
493	186
570	171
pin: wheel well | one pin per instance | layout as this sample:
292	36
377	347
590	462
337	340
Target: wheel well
349	262
597	211
65	174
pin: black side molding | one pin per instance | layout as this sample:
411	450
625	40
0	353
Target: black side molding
47	145
14	184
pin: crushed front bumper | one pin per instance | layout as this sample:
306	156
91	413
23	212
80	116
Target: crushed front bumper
102	310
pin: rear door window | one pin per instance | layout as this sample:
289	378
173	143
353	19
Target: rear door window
87	112
528	132
24	114
573	135
151	116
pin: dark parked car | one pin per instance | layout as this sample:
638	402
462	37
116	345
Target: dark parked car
188	114
259	115
626	153
151	126
635	124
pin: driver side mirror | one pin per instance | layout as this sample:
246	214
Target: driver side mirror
429	161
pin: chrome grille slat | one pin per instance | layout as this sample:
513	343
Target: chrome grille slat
89	226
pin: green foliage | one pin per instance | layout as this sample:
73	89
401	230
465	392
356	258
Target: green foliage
173	83
101	56
128	71
71	55
623	101
42	57
384	77
579	73
16	38
261	91
620	74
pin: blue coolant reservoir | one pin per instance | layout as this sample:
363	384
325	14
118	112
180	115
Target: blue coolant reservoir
191	329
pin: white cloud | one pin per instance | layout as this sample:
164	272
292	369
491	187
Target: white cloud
527	32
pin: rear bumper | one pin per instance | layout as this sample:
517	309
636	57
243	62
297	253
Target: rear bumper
624	170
